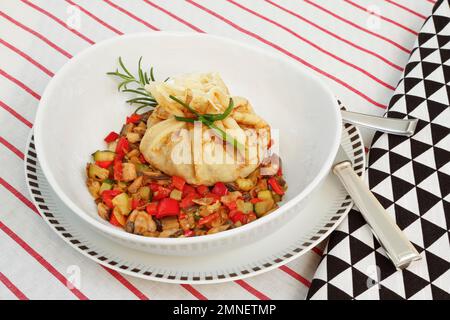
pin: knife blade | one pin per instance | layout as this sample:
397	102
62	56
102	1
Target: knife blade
397	246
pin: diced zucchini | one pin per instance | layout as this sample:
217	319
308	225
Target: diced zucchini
244	206
105	155
145	193
105	186
262	207
265	195
97	173
245	184
122	203
176	194
119	216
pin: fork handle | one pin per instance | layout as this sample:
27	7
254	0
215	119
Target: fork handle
392	239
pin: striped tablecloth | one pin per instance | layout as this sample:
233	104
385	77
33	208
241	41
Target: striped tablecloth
359	47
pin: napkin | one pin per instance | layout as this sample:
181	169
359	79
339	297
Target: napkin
411	179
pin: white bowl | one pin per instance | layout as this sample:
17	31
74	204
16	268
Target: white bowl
81	105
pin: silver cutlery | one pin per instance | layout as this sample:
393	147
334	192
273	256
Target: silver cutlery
392	239
402	127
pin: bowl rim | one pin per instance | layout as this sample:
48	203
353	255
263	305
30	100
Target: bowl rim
120	233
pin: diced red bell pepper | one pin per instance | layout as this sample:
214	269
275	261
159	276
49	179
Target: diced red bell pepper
122	147
103	164
108	195
275	186
213	196
114	221
208	219
231	205
178	182
161	193
251	216
168	207
182	215
152	208
236	216
188	233
187	189
136	203
118	169
202	190
187	202
220	189
255	200
134	118
112	136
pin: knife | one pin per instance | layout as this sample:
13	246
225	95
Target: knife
402	127
391	238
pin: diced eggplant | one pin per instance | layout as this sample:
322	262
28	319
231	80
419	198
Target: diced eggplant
122	203
105	155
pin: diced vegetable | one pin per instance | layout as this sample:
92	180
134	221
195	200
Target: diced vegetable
133	137
122	147
275	186
202	190
220	189
208	219
178	182
134	118
122	203
106	185
117	218
128	172
170	223
238	216
245	184
176	194
105	155
168	207
145	193
187	201
265	195
118	169
135	185
103	164
161	193
103	211
245	207
261	208
152	208
112	136
97	173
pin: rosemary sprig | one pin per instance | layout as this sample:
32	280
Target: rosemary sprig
143	98
208	120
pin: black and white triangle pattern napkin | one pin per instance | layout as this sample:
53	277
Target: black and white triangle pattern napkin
411	178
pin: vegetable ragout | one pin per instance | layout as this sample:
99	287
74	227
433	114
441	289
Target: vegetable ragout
142	200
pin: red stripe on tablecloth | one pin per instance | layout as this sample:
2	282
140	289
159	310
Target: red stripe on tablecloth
20	84
194	292
295	275
27	57
36	34
312	44
59	21
383	18
277	47
12	148
95	17
126	283
334	35
253	291
190	25
15	114
357	26
41	261
16	291
128	13
18	195
398	5
318	251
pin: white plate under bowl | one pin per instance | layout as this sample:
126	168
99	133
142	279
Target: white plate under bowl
81	105
330	202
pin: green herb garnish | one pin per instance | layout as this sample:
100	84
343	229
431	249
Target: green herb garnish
208	120
144	98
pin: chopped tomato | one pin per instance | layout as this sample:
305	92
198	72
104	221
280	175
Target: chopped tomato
202	190
103	164
134	118
220	189
122	147
161	193
187	189
255	200
112	136
275	186
168	207
236	216
188	233
152	208
136	203
108	195
178	182
118	169
208	219
114	221
186	202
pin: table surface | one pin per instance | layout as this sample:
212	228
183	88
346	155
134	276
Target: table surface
359	47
